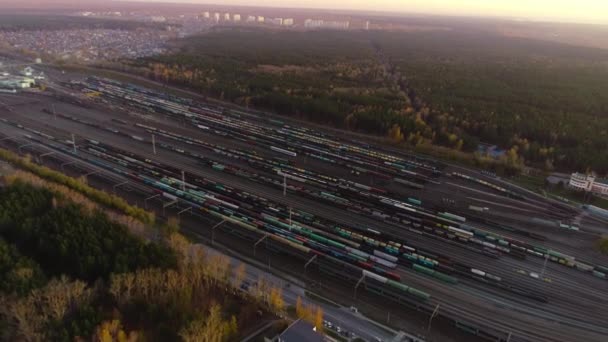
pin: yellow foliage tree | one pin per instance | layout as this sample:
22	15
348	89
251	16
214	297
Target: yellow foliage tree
318	322
276	299
395	134
112	331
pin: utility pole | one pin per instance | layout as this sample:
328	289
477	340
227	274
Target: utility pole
432	316
183	181
213	230
542	272
290	218
54	112
284	185
74	142
153	144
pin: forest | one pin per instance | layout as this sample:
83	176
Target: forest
72	270
543	103
50	22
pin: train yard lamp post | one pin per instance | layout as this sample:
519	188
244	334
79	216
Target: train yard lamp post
357	286
45	154
255	245
213	230
428	328
168	204
183	211
117	185
74	142
284	185
149	198
542	272
25	145
66	164
153	145
309	261
183	181
86	175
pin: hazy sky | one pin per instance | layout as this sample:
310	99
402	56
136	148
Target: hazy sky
594	11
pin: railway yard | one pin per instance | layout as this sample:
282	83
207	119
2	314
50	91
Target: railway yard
435	239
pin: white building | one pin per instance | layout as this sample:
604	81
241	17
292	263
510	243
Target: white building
260	19
227	16
216	17
236	17
158	19
16	82
334	25
251	19
275	21
313	23
206	15
367	25
27	71
288	22
584	182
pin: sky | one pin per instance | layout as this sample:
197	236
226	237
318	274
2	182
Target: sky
583	11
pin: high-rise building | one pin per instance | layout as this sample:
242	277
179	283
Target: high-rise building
275	21
367	25
216	17
206	15
260	19
251	19
335	25
288	22
313	23
227	16
236	17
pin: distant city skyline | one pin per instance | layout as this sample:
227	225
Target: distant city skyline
581	11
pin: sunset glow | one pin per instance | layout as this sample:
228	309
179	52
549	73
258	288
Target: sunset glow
585	11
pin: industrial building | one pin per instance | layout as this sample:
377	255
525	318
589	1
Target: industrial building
589	183
16	82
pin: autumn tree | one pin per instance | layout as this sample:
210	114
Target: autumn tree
318	320
394	134
239	274
210	329
276	301
113	331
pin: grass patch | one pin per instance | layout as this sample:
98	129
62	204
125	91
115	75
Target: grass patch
534	183
603	245
320	299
